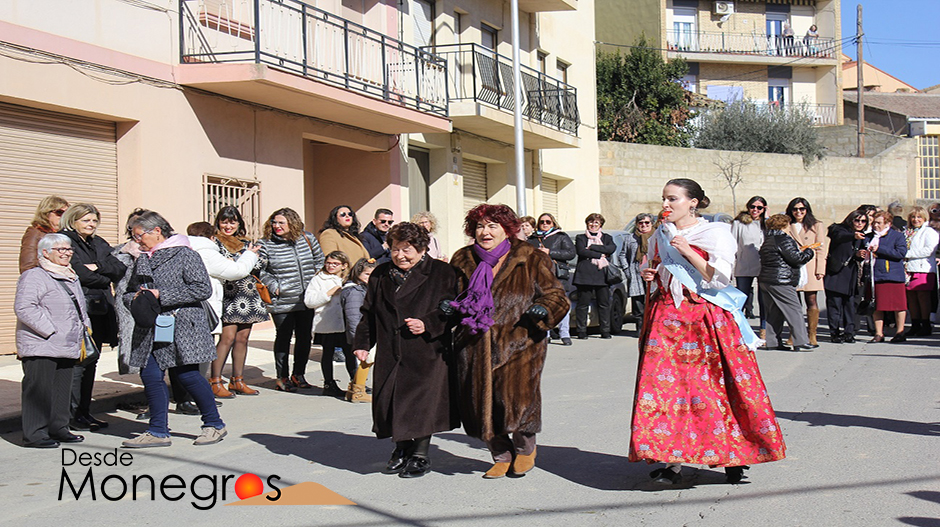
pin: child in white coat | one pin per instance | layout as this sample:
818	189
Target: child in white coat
323	296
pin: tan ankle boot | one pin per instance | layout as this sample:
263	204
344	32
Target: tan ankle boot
357	394
498	470
218	389
812	319
237	385
523	463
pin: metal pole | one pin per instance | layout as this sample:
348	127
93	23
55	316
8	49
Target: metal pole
860	67
517	112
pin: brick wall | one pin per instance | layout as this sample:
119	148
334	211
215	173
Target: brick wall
753	77
842	141
632	178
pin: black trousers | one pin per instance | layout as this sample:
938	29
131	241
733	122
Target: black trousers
296	324
331	341
601	294
840	311
46	391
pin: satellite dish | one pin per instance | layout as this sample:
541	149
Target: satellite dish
726	17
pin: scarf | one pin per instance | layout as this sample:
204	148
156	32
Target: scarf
876	241
399	275
177	240
477	301
231	243
132	248
65	271
596	239
643	246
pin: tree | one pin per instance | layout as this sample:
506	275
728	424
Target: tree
731	172
746	126
639	98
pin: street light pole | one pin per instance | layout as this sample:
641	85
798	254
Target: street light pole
517	112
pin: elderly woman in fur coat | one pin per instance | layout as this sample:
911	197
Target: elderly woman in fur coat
510	299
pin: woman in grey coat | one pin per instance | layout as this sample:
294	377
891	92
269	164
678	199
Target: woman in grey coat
632	256
293	257
171	279
748	231
50	323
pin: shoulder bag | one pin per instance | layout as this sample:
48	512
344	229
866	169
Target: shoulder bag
263	291
90	351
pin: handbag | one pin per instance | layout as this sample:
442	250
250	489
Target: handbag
612	274
164	328
211	316
96	303
89	351
562	272
263	291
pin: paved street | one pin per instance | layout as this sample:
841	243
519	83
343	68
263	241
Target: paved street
862	424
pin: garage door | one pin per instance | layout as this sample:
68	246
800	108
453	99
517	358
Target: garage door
43	153
474	184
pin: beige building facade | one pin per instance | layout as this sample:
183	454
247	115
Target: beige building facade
184	106
755	49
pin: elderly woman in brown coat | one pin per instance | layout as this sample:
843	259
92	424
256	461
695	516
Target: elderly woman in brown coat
509	302
401	315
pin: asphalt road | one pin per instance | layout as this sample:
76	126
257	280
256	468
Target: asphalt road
860	421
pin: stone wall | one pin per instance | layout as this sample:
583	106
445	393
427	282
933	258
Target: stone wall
632	178
842	141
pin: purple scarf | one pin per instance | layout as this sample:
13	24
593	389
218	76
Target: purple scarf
477	301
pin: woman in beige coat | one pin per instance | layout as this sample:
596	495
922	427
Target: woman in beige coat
340	232
808	231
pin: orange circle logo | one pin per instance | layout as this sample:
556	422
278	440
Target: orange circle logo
248	485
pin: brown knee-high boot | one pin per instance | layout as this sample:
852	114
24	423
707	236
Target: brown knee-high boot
812	318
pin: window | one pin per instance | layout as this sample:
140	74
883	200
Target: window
683	29
221	191
488	36
928	167
778	92
563	71
423	16
689	83
775	40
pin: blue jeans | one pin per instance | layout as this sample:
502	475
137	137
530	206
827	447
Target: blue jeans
158	397
564	328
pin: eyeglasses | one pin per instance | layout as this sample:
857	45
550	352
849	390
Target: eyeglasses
59	212
62	250
644	222
860	220
549	222
386	222
137	237
757	207
797	209
595	222
345	214
935	211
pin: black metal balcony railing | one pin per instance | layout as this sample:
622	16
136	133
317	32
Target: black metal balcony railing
756	43
479	74
297	37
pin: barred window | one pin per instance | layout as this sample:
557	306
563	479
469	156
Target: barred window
928	167
221	191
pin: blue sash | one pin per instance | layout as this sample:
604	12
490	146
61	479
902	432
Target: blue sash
727	298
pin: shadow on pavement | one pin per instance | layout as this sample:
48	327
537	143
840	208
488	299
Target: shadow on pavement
878	423
356	453
897	356
920	522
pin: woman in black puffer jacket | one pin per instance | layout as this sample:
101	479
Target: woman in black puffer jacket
780	261
550	239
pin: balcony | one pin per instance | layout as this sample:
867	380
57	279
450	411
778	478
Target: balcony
755	47
290	55
537	6
480	84
821	114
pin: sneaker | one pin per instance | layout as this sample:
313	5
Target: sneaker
210	436
339	356
146	440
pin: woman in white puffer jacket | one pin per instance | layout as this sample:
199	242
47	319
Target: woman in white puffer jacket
323	296
921	267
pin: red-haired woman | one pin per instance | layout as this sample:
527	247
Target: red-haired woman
510	299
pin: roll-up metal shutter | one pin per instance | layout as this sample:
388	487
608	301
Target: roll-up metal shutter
423	16
550	196
43	153
474	184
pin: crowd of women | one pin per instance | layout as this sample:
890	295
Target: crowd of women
460	341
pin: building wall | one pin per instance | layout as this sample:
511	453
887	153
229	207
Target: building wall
842	140
632	179
619	22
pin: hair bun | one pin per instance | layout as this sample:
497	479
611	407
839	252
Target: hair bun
704	202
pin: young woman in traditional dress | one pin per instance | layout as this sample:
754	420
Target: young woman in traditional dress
699	396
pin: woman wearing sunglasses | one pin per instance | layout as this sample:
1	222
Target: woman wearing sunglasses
551	240
45	221
807	230
748	231
340	232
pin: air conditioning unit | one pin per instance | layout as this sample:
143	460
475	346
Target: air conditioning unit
723	8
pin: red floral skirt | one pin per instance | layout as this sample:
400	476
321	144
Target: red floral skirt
699	396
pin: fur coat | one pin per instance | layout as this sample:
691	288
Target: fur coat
499	372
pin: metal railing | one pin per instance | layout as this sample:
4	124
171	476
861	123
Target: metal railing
299	38
821	114
479	74
756	43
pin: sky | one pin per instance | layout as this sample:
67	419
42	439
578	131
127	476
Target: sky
902	37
